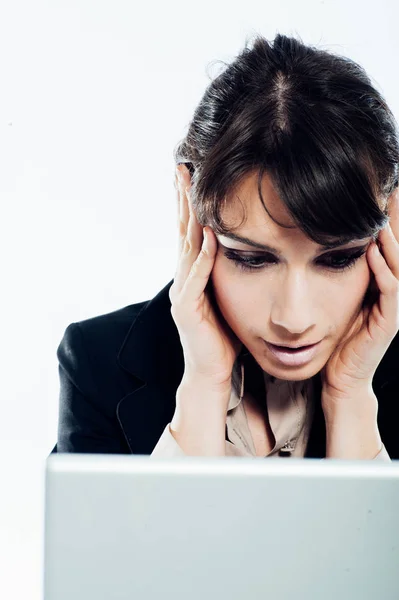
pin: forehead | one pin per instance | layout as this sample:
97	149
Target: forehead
245	215
244	201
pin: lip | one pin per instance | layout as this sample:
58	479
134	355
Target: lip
294	357
292	347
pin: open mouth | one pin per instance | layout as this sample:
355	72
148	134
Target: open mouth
294	356
291	350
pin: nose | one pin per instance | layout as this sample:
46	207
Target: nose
293	307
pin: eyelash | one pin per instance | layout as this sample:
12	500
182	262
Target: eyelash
247	263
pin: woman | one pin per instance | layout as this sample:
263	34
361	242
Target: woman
290	168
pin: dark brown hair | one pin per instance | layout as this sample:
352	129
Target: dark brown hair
313	122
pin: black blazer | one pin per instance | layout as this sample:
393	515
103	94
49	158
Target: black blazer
119	373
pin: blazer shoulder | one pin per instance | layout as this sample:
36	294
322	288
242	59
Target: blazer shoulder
106	331
90	377
120	318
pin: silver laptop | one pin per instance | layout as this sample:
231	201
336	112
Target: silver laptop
128	527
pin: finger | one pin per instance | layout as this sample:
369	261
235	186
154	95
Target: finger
188	255
199	274
183	213
386	310
195	229
189	242
184	216
390	249
191	245
175	183
191	275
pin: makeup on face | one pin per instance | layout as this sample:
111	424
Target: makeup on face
294	357
248	256
339	260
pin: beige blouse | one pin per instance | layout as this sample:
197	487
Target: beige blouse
290	408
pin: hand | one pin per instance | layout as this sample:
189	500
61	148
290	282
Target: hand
210	347
349	372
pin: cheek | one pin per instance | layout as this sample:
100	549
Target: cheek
240	297
345	301
243	298
360	284
225	286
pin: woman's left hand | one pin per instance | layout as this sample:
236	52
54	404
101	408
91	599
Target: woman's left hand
349	371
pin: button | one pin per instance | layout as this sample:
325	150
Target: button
286	449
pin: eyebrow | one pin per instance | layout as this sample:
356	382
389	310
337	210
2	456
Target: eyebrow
248	242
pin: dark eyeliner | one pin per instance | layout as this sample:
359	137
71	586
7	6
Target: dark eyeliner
256	262
349	258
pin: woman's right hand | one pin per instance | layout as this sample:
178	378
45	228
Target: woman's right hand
209	345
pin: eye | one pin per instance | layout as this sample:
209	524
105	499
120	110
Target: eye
340	261
247	263
336	261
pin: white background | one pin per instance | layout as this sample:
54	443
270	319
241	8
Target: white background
94	95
